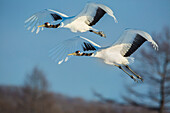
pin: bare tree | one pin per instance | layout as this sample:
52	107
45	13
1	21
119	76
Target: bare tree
155	68
36	80
37	99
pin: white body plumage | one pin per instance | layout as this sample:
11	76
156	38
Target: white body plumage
111	55
76	25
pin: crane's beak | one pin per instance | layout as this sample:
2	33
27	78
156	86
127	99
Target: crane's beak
41	25
72	54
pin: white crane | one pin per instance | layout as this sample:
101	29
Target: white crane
83	22
117	54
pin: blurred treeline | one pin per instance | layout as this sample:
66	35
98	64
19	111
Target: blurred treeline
27	100
154	67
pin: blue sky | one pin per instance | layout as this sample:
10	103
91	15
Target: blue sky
21	50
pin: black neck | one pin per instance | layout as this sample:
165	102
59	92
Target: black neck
54	26
86	54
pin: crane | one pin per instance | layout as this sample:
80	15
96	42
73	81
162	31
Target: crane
82	22
118	54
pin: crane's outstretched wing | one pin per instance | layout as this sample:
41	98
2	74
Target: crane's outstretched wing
39	18
131	40
93	12
61	51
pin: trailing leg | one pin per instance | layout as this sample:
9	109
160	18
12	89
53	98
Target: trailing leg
139	77
134	78
101	33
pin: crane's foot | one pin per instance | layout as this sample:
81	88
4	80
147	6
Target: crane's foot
101	33
139	77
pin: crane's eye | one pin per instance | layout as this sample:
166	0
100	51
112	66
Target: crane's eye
47	24
77	52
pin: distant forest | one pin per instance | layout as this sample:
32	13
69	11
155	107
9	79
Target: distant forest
26	100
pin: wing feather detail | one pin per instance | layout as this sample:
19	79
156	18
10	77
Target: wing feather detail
60	52
99	14
94	12
138	41
131	40
56	17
